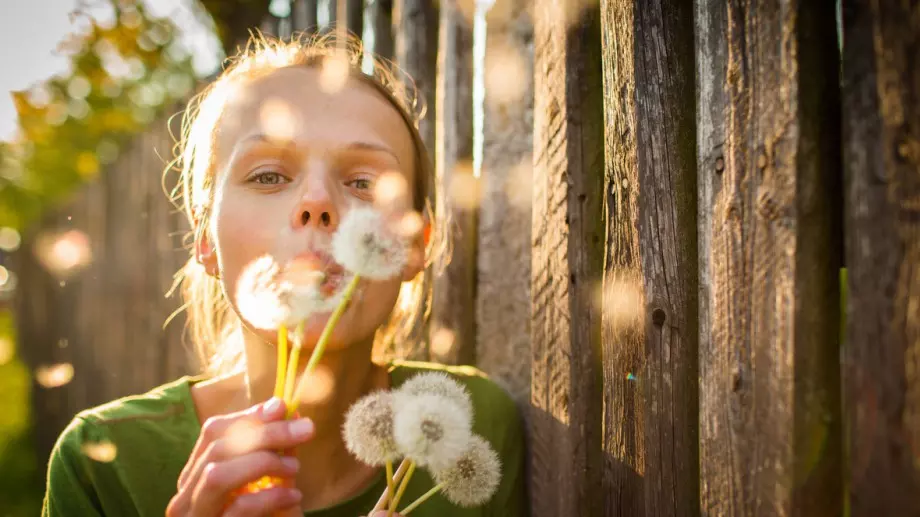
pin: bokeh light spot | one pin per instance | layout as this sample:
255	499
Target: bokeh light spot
277	120
318	387
54	375
9	239
334	74
103	452
65	253
7	350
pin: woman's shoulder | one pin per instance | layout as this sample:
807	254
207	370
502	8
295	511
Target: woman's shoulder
162	401
108	452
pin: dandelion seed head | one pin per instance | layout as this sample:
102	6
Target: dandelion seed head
269	296
368	429
441	384
474	477
431	430
364	245
259	298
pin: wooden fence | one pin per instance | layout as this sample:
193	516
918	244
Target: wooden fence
667	194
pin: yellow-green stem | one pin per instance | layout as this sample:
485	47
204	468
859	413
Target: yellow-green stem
385	496
282	361
291	375
323	340
418	502
402	489
389	479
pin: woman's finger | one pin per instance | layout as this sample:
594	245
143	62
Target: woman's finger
265	502
214	428
246	437
220	479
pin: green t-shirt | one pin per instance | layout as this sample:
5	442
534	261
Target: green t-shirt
152	436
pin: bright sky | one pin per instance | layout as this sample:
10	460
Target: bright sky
31	30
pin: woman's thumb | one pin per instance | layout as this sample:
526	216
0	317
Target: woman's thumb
382	513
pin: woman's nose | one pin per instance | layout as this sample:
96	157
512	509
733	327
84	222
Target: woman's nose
316	209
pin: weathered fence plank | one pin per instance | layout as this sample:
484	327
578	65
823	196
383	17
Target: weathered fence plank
416	51
666	141
354	16
622	295
105	320
769	410
453	323
503	262
303	15
416	41
567	262
881	92
380	14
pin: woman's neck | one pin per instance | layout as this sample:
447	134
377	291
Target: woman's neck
328	473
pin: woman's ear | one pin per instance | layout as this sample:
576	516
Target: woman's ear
205	253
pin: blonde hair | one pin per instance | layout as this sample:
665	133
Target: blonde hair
212	325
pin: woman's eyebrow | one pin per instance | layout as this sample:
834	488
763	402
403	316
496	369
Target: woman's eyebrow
370	146
260	138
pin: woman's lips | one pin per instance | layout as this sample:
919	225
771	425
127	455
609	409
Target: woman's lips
316	268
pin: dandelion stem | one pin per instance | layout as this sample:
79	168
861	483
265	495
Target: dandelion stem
402	488
389	478
385	496
323	340
418	502
281	368
292	370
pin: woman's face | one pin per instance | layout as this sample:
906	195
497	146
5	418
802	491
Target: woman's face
291	161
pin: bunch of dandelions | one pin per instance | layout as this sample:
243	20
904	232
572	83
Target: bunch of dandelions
427	422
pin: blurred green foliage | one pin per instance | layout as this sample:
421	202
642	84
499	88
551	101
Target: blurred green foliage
21	481
122	72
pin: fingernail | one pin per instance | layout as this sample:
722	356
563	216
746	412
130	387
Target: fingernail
272	406
301	427
290	463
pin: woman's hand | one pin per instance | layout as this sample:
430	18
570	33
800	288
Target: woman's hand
234	450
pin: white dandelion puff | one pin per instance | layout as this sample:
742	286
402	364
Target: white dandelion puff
259	298
431	430
368	429
269	296
474	477
439	383
364	245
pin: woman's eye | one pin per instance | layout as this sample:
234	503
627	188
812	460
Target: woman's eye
361	183
268	178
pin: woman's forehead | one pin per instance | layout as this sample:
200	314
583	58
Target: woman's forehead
299	105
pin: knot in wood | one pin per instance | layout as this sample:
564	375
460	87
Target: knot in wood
767	206
762	161
659	316
720	164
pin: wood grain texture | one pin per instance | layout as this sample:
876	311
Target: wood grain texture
666	143
503	262
453	322
623	296
770	420
567	263
881	90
